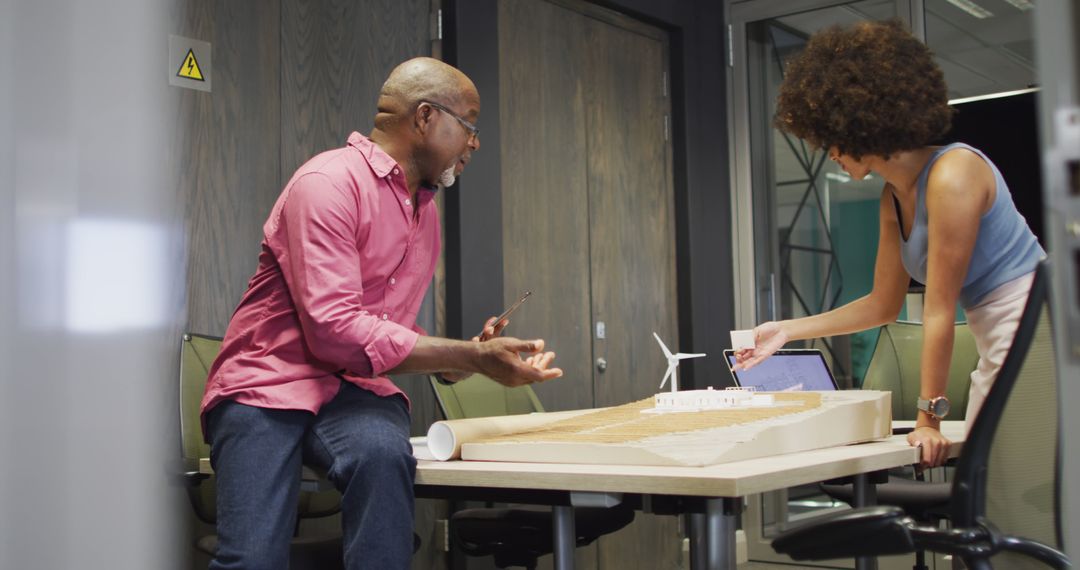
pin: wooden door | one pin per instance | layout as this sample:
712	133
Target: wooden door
544	188
631	211
588	216
588	207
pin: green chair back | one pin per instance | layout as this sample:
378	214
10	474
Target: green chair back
1022	467
479	396
895	367
197	354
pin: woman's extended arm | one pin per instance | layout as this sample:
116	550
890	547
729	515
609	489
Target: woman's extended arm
880	306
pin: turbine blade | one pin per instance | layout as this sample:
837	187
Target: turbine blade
667	352
682	356
670	369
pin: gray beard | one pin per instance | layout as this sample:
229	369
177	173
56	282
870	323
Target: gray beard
447	178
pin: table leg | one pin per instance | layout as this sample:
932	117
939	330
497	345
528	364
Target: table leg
720	514
699	554
865	495
564	536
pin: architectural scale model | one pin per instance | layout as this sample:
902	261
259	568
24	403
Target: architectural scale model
691	428
623	435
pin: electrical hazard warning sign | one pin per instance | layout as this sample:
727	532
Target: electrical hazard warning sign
189	63
190	67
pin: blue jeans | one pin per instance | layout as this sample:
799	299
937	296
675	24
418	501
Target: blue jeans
362	442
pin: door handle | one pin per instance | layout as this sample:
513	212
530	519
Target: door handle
601	364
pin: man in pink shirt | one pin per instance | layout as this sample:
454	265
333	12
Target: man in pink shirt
348	252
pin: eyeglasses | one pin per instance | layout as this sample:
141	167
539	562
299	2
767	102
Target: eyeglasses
473	130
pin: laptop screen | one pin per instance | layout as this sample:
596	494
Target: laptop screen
786	370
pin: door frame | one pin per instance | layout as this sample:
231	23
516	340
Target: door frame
739	14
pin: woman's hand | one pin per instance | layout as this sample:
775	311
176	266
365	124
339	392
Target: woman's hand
935	447
768	338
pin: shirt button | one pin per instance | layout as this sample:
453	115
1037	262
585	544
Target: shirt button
392	280
385	316
396	172
408	202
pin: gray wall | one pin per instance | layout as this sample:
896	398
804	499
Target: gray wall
474	282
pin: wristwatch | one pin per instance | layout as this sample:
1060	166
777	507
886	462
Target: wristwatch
937	407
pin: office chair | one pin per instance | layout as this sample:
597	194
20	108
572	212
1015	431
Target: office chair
518	535
318	552
1003	505
895	366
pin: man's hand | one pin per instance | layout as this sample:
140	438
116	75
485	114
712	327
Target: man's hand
769	337
935	447
490	331
500	360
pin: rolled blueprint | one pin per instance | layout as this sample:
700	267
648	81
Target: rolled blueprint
445	438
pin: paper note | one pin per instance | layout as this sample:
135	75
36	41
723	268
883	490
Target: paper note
742	339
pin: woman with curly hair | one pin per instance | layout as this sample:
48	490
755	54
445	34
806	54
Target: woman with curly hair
872	96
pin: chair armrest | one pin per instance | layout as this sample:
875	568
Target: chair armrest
194	478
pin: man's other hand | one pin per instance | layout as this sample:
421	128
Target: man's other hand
501	360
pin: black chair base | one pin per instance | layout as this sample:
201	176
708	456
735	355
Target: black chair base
887	530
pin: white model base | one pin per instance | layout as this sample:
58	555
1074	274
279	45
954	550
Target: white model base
709	399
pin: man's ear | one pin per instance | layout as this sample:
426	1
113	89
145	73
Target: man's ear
422	118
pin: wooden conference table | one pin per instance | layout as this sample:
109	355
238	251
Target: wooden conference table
712	495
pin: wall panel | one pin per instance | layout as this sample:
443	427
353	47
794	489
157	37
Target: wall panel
228	153
335	56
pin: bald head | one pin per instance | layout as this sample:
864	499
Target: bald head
421	79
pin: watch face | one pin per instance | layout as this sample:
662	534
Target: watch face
939	407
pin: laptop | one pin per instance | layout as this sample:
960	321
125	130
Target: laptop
786	370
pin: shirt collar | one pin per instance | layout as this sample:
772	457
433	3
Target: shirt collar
381	163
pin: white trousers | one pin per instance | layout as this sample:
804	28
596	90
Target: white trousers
993	323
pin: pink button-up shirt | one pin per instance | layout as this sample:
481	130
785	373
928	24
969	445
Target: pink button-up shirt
346	259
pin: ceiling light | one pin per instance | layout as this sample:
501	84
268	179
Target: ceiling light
993	96
1022	5
972	8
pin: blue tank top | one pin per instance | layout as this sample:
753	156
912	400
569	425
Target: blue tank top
1005	248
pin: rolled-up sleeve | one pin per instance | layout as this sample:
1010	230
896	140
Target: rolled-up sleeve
315	244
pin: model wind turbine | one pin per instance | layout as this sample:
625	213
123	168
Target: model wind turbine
672	364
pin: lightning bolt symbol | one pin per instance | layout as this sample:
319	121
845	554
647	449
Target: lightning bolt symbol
190	63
